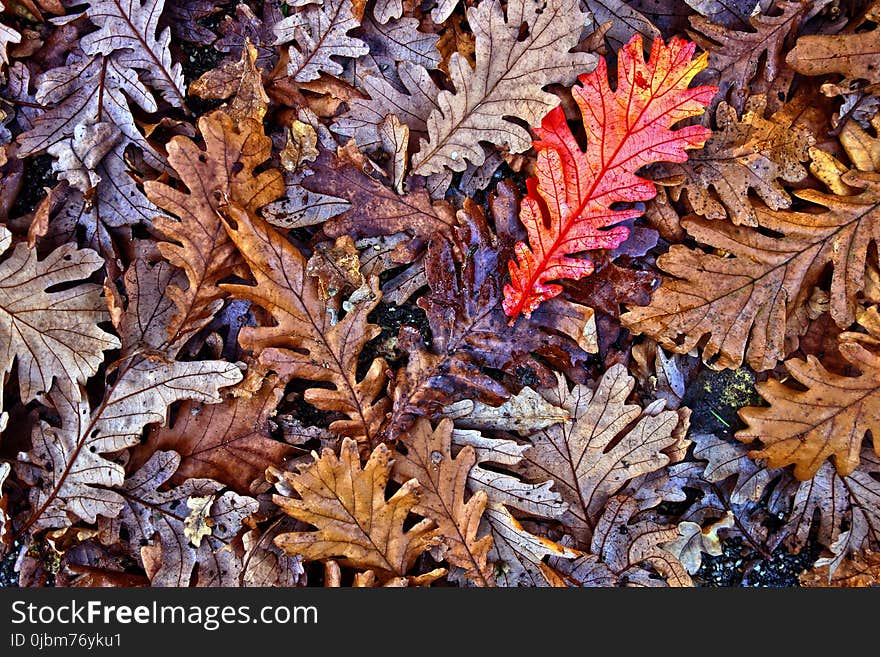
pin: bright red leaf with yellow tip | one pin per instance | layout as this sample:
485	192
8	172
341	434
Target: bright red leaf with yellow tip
569	203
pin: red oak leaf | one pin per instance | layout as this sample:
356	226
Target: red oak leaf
569	202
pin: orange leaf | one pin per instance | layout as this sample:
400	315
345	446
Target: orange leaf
569	203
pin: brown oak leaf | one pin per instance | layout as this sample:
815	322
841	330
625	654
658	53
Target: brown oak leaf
512	68
159	519
354	520
443	478
827	420
519	554
223	172
228	442
625	551
606	444
72	477
841	513
375	208
735	55
751	300
860	570
306	341
241	81
749	153
468	326
53	335
852	55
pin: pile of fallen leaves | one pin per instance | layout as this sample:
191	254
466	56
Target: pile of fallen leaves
388	293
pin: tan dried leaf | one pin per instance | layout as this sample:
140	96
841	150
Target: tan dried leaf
394	136
77	157
854	55
537	499
841	513
242	81
693	540
860	570
517	553
751	152
527	411
52	335
442	478
361	121
626	552
735	55
75	479
354	520
508	81
751	300
827	420
264	564
301	147
337	268
198	522
173	543
606	444
222	173
305	341
319	33
143	321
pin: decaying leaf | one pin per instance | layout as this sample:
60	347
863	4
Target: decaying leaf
517	553
606	444
468	325
241	81
53	336
693	540
511	70
538	499
320	33
625	21
355	521
859	571
76	480
735	55
827	420
198	522
728	459
750	302
190	525
337	269
842	513
442	478
307	342
228	442
751	152
374	208
222	173
394	137
625	552
128	29
526	411
361	121
852	55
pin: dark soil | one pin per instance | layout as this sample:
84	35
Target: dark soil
37	176
739	565
390	318
8	576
